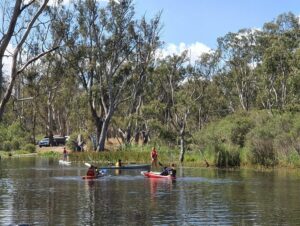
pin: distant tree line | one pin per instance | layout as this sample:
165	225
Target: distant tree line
92	68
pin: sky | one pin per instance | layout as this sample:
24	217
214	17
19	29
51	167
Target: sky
196	24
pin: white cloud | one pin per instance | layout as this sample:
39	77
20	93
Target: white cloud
195	50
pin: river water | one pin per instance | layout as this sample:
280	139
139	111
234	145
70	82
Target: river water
38	191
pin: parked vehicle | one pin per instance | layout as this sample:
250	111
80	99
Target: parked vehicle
57	140
45	142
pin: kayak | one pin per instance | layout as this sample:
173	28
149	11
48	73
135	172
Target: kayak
101	173
130	166
63	162
151	174
92	177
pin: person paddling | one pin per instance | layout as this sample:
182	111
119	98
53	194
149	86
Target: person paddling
169	171
172	170
91	171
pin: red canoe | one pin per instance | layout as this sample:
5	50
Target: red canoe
151	174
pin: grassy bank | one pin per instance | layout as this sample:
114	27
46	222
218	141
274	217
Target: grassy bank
248	139
18	153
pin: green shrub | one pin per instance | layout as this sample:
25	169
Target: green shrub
30	148
72	142
294	159
15	145
7	146
224	157
239	131
263	153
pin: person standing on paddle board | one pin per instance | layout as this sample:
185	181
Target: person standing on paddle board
154	156
65	153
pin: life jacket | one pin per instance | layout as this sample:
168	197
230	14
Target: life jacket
90	172
154	154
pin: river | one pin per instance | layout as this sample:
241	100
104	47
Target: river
39	191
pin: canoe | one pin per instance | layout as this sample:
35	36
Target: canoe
151	174
130	166
63	162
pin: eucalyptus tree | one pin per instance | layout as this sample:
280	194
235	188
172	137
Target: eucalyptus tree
238	57
279	43
106	50
174	96
201	79
19	19
143	60
42	80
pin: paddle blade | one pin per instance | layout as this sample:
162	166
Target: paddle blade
87	164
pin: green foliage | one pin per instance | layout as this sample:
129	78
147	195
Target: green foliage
257	138
263	152
15	145
226	157
72	142
30	148
13	137
7	146
239	131
50	154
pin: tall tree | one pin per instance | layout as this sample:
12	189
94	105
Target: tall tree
19	20
143	58
238	57
279	42
106	45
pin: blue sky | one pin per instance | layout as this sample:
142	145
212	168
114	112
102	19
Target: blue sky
199	23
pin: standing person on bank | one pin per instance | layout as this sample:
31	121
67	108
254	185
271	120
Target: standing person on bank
154	156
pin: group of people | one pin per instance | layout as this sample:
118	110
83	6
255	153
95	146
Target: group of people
166	170
93	170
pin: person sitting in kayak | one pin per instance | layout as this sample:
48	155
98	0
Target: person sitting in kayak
119	163
169	171
172	170
91	171
165	171
97	172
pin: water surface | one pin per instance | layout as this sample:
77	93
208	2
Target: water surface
38	191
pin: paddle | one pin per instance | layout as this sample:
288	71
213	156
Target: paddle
87	164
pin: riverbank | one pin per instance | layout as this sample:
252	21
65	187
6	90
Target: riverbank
140	154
